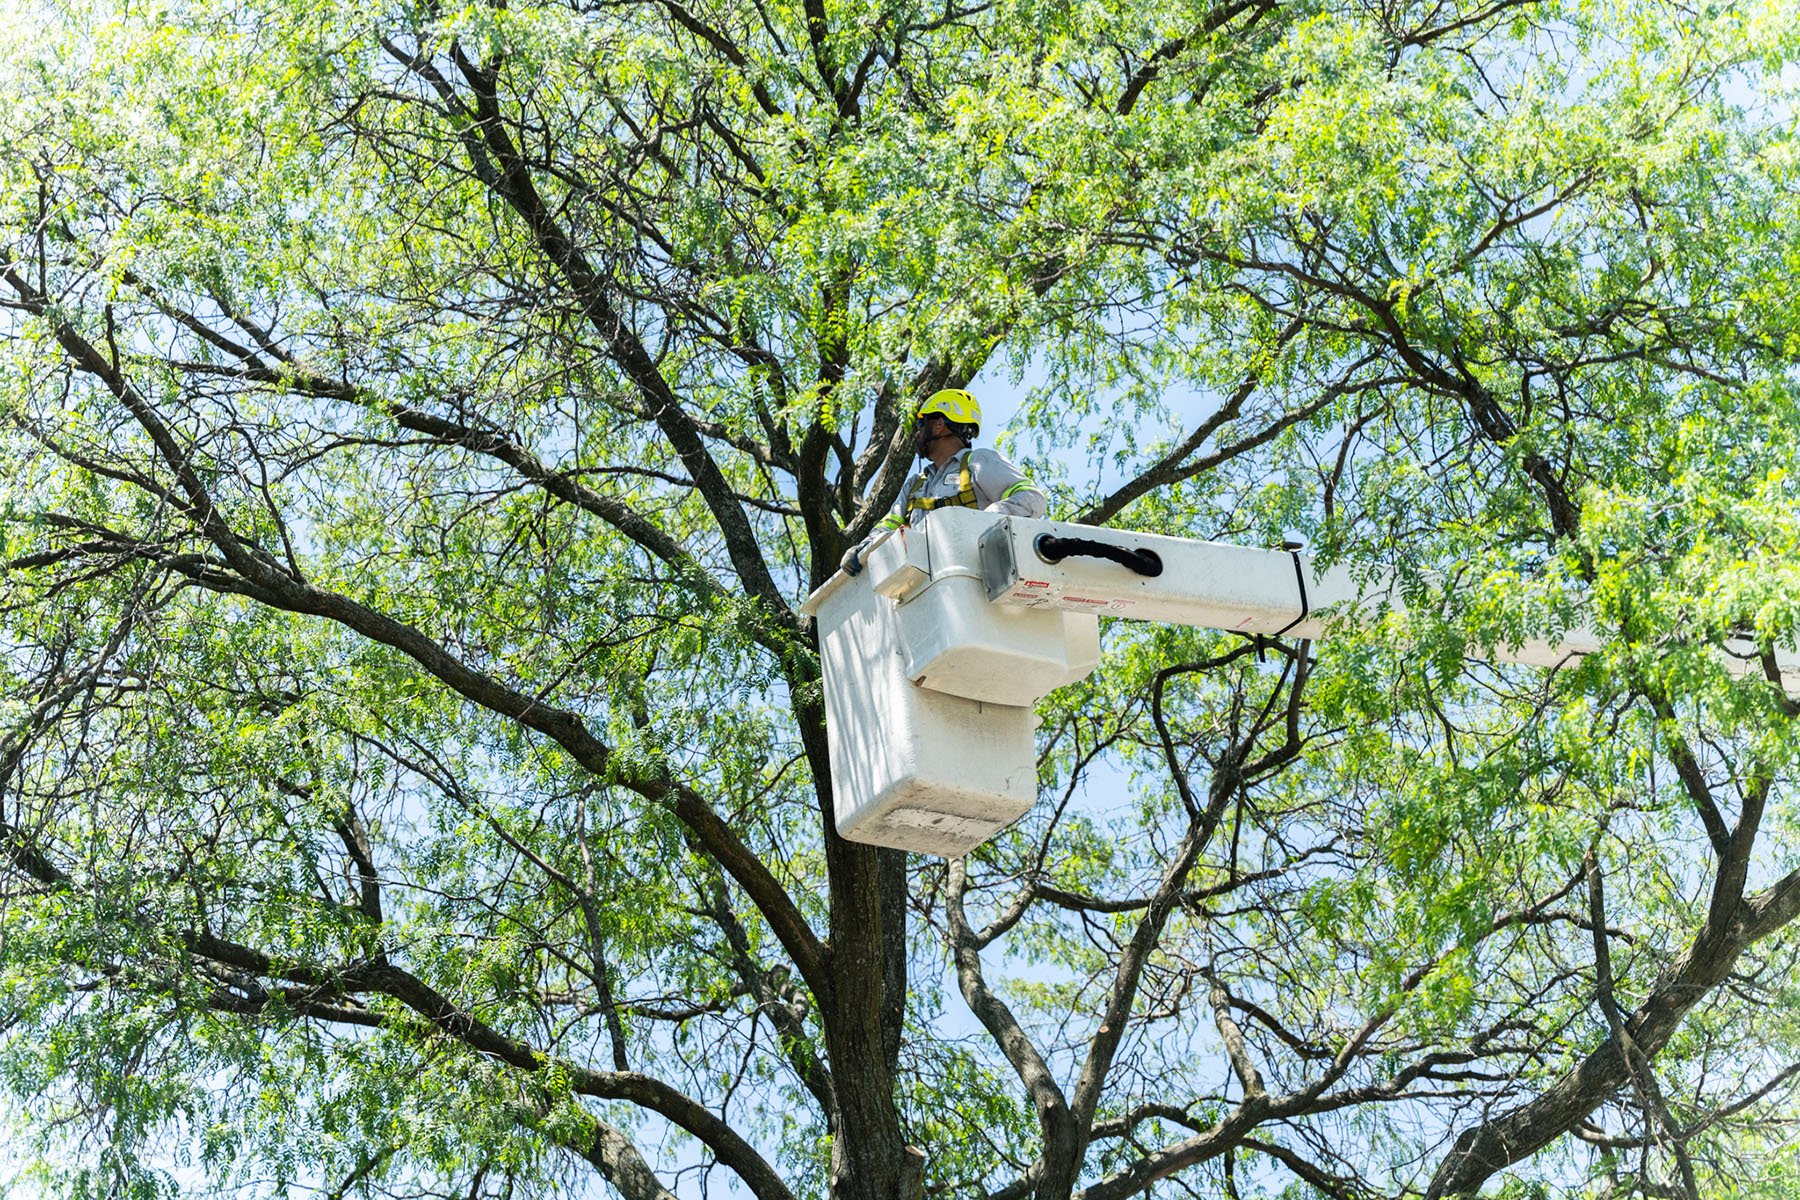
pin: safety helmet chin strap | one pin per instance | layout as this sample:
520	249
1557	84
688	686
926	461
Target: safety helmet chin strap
961	431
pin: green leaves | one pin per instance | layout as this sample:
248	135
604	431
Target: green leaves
451	312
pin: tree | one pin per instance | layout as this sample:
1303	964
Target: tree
422	426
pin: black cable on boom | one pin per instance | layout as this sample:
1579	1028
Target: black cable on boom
1300	578
1054	549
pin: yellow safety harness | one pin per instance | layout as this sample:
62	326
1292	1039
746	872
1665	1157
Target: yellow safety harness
964	497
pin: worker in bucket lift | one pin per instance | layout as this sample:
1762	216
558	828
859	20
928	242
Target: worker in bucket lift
956	474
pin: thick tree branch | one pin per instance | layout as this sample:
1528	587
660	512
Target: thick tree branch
511	181
1055	1121
263	579
622	1165
1733	924
438	1011
1693	779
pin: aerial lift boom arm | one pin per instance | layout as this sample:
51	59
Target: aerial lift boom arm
935	655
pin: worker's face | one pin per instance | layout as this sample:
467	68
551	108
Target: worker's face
929	430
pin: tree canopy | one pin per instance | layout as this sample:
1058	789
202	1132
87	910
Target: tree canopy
420	426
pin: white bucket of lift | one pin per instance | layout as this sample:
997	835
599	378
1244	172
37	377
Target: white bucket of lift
917	762
953	639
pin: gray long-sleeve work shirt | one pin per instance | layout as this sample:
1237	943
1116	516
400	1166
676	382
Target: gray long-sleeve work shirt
999	487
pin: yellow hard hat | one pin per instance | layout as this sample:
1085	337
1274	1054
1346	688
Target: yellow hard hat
954	405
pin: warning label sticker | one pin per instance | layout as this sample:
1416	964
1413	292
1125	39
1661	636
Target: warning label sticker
1027	599
1038	593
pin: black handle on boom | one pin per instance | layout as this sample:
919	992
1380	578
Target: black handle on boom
1053	549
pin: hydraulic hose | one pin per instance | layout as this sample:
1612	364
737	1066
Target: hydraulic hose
1053	549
